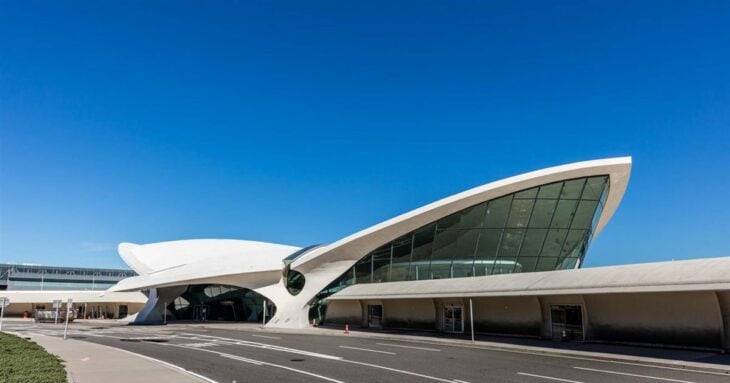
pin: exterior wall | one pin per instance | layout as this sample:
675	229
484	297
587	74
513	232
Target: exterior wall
690	319
344	312
723	300
409	313
506	315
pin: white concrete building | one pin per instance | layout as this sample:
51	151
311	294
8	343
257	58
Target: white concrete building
513	243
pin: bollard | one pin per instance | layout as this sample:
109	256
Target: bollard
347	329
314	322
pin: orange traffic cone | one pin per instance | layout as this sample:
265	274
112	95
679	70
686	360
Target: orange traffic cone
347	329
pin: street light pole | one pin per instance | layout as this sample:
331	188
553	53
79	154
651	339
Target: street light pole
471	318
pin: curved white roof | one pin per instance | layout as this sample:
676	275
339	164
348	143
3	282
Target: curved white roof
355	246
155	257
257	263
192	261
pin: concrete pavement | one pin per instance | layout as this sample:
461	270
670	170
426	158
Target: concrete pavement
92	363
245	352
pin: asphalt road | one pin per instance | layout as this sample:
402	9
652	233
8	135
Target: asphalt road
227	355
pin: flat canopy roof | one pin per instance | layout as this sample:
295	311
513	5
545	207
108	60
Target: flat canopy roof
707	274
84	296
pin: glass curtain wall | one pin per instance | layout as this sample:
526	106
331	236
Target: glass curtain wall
220	303
540	229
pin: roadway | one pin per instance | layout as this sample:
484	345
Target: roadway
234	355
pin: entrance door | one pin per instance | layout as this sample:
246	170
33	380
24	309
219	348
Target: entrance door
200	312
453	318
567	322
375	315
123	310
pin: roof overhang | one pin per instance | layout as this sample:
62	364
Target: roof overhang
711	274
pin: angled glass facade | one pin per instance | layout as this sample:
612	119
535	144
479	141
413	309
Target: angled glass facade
540	229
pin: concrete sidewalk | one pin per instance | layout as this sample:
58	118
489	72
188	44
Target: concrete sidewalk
87	362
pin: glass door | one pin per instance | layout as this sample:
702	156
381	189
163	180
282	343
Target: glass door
453	319
375	315
567	322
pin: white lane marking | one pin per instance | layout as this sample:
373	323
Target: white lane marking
549	378
397	370
242	359
241	342
367	349
257	362
545	354
196	345
416	348
635	375
460	381
264	336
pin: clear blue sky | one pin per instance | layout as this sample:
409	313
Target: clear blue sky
302	122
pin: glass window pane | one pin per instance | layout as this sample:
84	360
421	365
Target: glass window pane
532	244
526	194
381	264
463	254
564	213
487	250
452	245
525	264
594	188
546	264
584	214
520	213
363	269
551	191
421	257
553	243
401	259
497	211
573	243
466	219
510	245
568	264
542	213
572	189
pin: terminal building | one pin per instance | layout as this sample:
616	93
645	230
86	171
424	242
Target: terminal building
35	287
502	258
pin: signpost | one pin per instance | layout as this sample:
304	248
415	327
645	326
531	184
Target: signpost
57	306
471	318
4	301
69	304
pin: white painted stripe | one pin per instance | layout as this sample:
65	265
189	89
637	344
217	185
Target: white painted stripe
549	378
242	359
416	348
257	362
367	349
549	355
635	375
397	370
460	381
241	342
264	336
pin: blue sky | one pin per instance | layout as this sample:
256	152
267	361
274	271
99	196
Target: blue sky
302	122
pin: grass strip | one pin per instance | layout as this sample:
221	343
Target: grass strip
23	361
